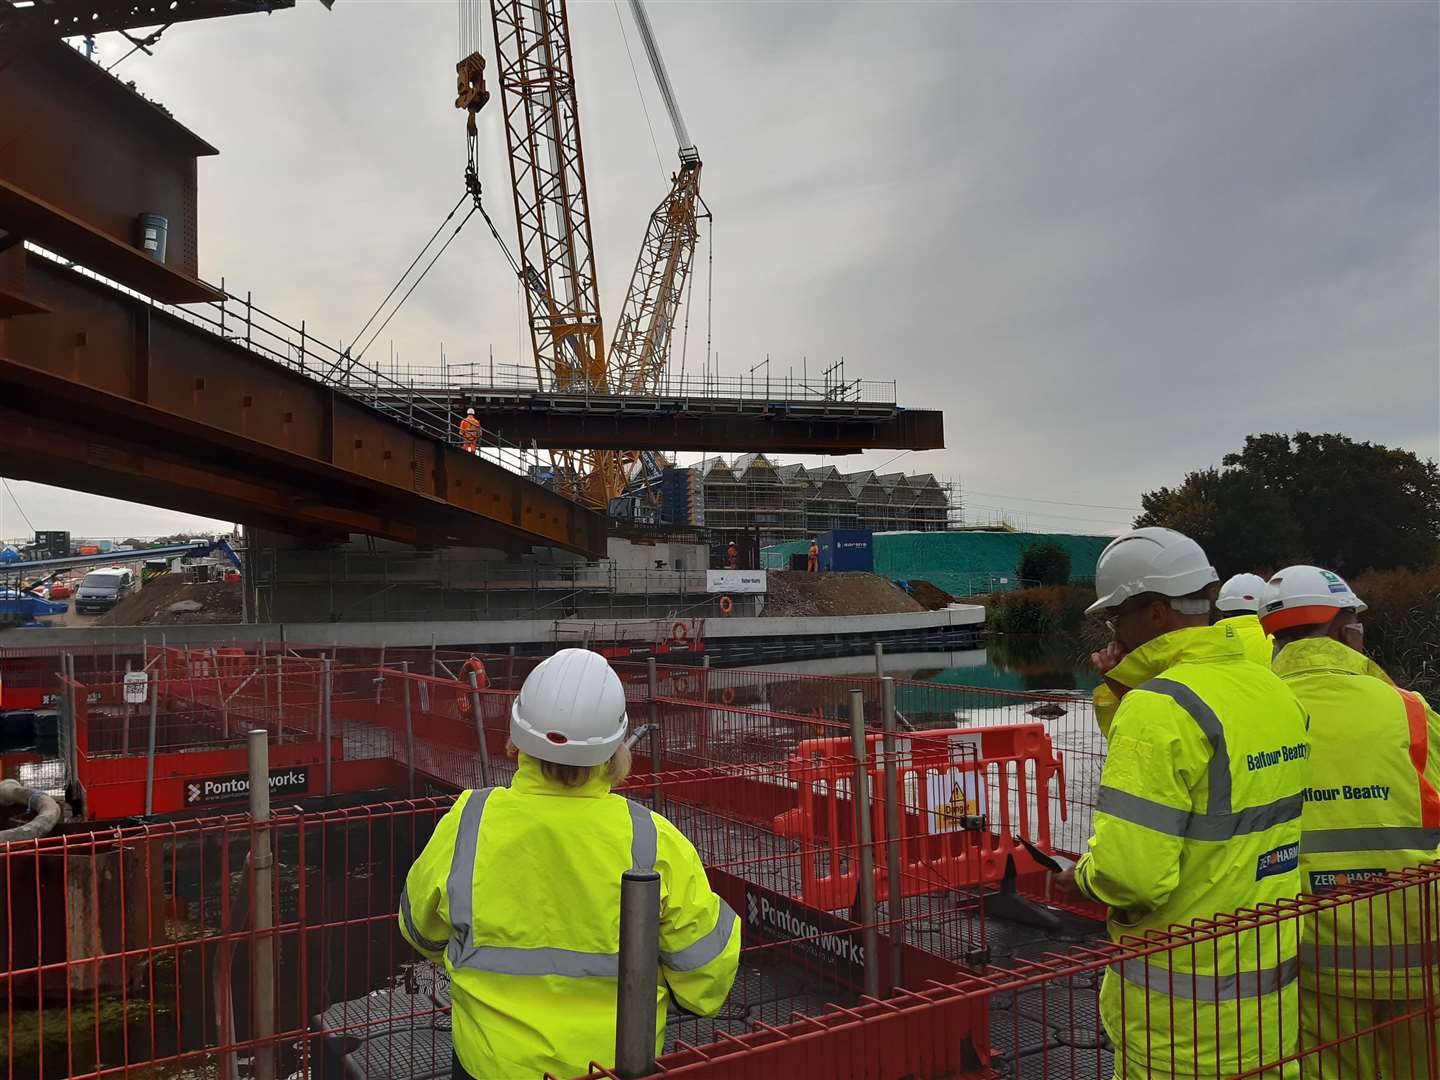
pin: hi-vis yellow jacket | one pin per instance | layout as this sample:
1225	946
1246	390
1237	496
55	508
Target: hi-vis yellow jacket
1198	813
1372	803
1258	645
519	890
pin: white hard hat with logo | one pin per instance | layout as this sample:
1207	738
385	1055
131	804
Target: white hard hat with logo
469	412
1149	560
570	710
1305	596
1241	593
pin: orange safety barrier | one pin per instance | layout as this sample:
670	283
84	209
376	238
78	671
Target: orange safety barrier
966	795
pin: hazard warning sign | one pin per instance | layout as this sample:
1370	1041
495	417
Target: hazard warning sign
957	793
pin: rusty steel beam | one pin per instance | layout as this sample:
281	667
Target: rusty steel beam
179	417
83	156
744	430
71	18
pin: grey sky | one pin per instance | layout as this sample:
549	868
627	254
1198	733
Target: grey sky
1110	240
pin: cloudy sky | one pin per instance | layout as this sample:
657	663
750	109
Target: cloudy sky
1108	239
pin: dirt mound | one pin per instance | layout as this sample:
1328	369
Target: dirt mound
218	602
796	593
929	596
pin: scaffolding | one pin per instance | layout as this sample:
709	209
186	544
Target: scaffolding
753	494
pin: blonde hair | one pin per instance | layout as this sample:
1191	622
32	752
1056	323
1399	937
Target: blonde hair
573	776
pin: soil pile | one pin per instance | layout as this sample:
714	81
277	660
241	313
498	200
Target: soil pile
794	593
218	602
929	596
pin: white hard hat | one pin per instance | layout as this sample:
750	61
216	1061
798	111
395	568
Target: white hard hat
469	412
571	710
1241	593
1305	596
1149	560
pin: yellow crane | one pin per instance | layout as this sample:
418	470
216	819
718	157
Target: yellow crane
556	259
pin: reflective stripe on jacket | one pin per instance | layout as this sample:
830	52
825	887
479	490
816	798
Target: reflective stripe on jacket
1372	803
1198	813
1258	645
519	890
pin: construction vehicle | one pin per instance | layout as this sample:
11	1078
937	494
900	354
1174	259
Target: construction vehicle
556	264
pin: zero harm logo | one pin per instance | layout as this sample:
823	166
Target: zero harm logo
218	789
1278	860
814	933
1323	881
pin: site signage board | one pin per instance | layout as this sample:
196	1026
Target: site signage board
206	790
735	581
816	935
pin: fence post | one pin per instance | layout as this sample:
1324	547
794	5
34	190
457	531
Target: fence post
125	732
325	693
220	694
479	727
639	972
409	730
879	659
860	796
895	889
433	659
380	682
280	695
68	718
154	688
657	766
262	862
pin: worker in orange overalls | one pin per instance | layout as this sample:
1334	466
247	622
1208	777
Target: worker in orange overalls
732	556
470	433
812	560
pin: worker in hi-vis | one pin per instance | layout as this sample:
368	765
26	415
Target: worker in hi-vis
1372	804
1238	602
470	432
1198	813
812	560
519	890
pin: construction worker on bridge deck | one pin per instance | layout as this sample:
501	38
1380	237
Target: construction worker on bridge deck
812	560
1238	603
470	432
1372	804
518	890
732	557
1185	829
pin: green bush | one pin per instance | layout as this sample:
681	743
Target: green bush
1402	626
1045	563
1047	609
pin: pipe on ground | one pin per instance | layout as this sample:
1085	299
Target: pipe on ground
45	809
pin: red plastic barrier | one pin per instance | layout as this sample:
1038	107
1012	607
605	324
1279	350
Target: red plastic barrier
949	780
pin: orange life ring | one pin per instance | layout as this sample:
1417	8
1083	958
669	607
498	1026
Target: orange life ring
681	684
679	632
482	682
727	695
726	605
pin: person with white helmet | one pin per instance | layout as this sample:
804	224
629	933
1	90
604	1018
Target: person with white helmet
518	890
1184	827
1372	804
1238	602
470	432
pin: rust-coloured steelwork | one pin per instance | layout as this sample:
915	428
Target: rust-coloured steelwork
110	395
778	427
82	156
68	18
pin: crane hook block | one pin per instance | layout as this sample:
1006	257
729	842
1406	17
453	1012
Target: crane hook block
470	92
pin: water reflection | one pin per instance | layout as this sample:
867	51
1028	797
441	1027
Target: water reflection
1015	663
